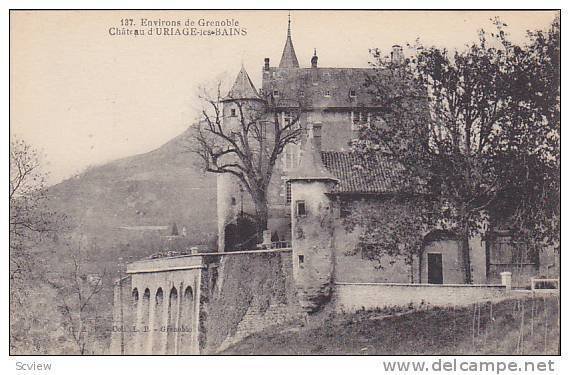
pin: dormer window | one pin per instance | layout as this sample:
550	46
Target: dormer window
233	112
352	93
276	93
301	94
327	93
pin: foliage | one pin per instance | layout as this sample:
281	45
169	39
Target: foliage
249	148
391	228
480	127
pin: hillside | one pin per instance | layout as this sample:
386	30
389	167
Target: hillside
476	329
157	188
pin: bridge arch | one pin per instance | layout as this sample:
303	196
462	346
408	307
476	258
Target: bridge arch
172	323
186	321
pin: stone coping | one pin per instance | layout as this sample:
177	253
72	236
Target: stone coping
283	249
165	269
425	285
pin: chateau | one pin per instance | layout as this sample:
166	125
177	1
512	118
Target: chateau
162	304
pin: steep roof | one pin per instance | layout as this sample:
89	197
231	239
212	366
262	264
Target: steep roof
376	175
243	88
322	87
289	58
311	166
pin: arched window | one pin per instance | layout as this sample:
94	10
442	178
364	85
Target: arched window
135	296
159	296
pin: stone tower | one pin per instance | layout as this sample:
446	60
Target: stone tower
241	102
312	229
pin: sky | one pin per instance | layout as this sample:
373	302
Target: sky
83	97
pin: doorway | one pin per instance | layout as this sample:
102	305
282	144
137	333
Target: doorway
435	268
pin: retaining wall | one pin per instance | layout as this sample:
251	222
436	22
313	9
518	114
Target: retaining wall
356	296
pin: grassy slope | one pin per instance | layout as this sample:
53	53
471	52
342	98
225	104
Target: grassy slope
431	331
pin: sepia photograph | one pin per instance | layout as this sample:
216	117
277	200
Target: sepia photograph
285	182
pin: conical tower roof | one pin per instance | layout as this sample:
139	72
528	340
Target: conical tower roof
289	58
243	88
311	166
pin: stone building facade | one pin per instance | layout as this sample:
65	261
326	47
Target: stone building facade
312	184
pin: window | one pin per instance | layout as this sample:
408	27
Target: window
359	118
301	208
288	192
291	157
352	93
301	94
301	260
317	132
233	112
327	93
275	92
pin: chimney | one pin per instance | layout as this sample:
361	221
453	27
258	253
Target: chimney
266	65
397	55
314	59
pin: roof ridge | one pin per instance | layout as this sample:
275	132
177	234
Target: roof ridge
243	87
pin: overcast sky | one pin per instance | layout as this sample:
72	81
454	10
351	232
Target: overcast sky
84	97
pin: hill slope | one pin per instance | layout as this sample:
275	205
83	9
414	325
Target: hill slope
480	330
158	188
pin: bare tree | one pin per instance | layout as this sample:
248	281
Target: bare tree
248	148
31	221
29	216
77	291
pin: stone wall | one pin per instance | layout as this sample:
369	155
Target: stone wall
257	319
350	267
253	292
356	296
